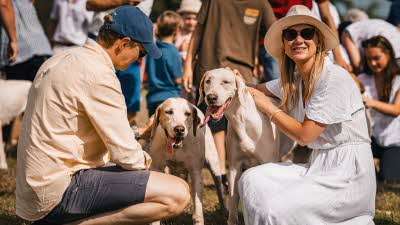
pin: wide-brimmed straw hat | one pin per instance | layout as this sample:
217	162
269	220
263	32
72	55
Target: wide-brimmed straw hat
298	14
190	6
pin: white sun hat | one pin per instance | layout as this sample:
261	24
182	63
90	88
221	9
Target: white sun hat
297	14
190	6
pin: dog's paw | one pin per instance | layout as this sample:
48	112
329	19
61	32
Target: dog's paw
247	145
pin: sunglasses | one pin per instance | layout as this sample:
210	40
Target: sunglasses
291	34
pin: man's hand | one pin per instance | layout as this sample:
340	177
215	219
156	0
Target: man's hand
12	51
187	78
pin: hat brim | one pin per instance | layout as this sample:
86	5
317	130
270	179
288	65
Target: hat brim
152	50
273	39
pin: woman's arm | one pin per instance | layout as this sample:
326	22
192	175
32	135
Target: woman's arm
303	133
383	107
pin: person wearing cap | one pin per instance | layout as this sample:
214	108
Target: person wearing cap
76	122
188	11
320	107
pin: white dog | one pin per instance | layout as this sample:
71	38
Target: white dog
178	142
251	139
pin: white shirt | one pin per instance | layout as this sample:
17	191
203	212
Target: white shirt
365	29
385	128
73	21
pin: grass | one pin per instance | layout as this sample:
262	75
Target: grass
387	203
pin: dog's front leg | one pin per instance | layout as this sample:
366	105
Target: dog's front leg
197	196
3	160
245	142
234	175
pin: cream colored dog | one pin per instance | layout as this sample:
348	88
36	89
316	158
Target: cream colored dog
178	142
251	139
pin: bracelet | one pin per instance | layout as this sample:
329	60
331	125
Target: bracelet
274	113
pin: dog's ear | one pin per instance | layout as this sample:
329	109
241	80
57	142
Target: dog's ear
201	90
240	89
156	118
196	120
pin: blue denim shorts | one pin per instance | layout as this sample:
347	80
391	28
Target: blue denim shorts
99	190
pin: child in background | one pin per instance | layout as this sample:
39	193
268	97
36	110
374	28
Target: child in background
188	11
164	74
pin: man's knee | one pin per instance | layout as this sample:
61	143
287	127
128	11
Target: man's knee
180	198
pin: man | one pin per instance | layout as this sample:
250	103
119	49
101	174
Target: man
226	35
8	22
33	45
68	25
76	122
131	77
13	94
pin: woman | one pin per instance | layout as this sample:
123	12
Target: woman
323	109
382	84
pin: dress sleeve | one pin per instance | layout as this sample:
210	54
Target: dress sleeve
274	86
331	100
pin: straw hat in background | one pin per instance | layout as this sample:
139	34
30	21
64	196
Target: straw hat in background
190	6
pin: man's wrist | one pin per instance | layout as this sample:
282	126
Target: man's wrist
136	131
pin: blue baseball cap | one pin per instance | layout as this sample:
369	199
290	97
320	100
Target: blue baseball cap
129	21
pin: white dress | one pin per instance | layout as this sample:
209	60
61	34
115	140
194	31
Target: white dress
338	185
385	128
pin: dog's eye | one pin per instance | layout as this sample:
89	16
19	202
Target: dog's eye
226	82
208	81
170	112
187	114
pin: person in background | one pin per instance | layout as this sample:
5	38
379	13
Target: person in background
33	45
130	78
223	40
68	26
362	30
354	15
164	75
188	11
394	13
381	81
13	93
76	122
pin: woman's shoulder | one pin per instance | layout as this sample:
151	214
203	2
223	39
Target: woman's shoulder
332	73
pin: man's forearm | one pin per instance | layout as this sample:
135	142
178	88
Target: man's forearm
8	19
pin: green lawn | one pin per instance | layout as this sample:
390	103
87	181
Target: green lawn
387	203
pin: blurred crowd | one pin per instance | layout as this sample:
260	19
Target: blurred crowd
197	38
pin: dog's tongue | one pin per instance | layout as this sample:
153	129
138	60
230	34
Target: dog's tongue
206	118
170	145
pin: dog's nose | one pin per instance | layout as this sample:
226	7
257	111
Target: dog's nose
179	130
212	98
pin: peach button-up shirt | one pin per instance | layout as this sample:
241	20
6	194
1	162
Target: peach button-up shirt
75	119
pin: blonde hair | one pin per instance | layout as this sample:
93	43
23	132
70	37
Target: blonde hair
288	80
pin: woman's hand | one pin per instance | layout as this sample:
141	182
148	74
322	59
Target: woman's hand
368	102
263	102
